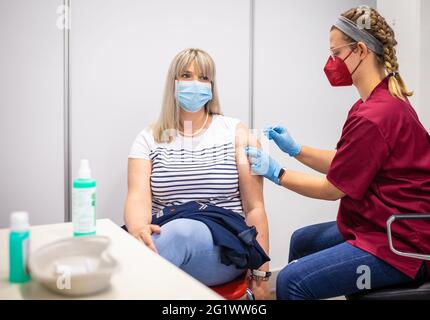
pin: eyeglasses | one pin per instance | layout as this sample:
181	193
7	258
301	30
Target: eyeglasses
332	51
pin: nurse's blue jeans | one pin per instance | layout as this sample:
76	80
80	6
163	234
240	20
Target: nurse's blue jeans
188	244
322	265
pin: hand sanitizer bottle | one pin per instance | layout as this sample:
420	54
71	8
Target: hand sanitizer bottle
19	238
84	202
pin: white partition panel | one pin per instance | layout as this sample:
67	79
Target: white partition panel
120	54
31	111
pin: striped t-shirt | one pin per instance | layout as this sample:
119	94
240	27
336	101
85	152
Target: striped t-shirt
200	168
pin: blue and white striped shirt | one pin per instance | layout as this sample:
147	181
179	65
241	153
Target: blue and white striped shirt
201	168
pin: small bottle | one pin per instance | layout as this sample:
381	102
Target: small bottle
84	202
19	244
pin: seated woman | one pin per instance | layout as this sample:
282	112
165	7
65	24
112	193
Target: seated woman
194	154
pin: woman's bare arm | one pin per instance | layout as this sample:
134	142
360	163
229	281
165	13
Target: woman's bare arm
251	189
251	192
138	206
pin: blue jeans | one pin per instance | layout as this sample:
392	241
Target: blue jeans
322	265
188	244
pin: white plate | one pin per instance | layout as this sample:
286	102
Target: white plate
74	266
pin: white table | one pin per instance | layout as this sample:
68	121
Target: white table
143	274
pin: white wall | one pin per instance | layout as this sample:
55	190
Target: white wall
120	54
31	111
410	22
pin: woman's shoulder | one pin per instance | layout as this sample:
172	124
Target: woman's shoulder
229	122
239	131
147	133
142	145
146	136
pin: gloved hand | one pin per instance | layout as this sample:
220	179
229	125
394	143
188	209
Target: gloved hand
283	139
262	164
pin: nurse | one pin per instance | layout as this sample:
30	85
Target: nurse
381	167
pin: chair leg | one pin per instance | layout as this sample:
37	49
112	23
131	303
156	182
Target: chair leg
249	294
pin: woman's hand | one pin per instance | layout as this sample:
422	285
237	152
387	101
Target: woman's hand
260	289
283	139
144	234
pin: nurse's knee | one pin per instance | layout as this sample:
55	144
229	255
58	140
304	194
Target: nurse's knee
298	235
298	243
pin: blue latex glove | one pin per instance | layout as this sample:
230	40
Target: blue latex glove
262	164
283	139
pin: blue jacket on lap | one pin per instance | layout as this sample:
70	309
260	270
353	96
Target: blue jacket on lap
229	231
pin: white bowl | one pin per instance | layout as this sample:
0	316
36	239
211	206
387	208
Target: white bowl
74	266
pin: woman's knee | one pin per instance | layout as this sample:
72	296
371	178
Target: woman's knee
183	237
183	230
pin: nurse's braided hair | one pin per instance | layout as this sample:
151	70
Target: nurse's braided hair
382	31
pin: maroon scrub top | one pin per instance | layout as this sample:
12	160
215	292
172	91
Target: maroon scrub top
382	164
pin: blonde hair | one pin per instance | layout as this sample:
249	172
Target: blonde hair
381	30
168	120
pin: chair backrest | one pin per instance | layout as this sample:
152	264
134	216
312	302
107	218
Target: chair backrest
390	237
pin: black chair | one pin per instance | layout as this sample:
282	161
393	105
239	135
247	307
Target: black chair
416	291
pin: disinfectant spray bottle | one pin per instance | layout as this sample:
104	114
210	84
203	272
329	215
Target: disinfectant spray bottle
84	202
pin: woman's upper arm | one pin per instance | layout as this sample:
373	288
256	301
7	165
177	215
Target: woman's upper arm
250	185
138	206
139	174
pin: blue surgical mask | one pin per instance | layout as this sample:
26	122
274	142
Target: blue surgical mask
193	95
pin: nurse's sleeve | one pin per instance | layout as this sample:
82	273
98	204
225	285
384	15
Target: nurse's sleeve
361	153
141	146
